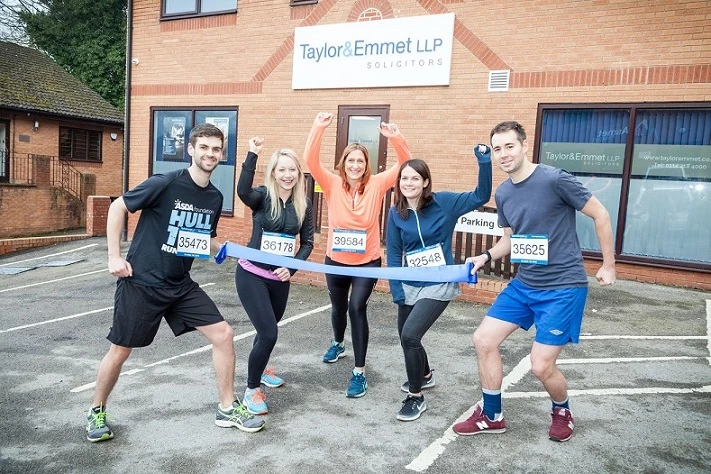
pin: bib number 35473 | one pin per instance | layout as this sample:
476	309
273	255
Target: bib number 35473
193	243
529	248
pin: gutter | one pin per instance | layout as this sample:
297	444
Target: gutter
127	108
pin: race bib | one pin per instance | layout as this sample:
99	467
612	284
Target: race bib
193	243
279	244
431	256
346	240
529	248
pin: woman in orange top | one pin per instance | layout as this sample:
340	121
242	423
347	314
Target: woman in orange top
354	198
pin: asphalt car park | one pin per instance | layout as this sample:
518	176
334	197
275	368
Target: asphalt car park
640	385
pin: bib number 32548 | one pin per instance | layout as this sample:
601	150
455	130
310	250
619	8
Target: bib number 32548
431	256
529	248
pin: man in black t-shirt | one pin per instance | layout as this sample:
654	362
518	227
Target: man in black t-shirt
179	214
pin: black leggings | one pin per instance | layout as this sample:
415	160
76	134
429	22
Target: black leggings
265	302
356	307
412	324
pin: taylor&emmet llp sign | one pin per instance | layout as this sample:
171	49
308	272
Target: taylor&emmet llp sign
401	52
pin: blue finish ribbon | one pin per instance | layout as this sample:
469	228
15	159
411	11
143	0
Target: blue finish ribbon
440	274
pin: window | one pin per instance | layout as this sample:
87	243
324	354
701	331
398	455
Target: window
297	3
78	144
170	137
197	7
649	165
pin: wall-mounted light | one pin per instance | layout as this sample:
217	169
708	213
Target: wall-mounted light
135	61
113	135
35	126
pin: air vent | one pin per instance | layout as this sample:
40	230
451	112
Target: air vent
499	81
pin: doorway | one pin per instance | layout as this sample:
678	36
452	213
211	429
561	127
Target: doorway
361	124
4	152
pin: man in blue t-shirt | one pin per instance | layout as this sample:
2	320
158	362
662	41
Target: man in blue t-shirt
179	214
536	207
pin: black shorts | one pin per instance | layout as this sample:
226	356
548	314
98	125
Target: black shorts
139	309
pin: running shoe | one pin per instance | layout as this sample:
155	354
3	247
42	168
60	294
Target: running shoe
561	425
426	383
412	408
358	385
237	417
96	427
335	352
480	423
255	401
270	379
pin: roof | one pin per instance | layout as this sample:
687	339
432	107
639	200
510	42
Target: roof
30	80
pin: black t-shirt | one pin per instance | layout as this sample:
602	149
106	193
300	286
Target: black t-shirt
168	202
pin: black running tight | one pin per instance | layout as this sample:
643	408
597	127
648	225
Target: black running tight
265	302
356	307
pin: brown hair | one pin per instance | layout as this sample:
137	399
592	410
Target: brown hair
206	130
341	167
504	127
421	168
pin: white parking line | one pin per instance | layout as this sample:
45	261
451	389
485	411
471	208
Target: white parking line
53	281
50	255
430	454
64	318
437	447
203	348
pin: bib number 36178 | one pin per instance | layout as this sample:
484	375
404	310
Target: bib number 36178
529	248
279	244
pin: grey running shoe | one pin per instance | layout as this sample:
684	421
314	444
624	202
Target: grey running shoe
237	417
96	427
426	383
412	408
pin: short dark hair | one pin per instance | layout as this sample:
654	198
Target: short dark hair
423	170
504	127
206	130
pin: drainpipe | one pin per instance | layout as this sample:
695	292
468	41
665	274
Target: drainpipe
127	108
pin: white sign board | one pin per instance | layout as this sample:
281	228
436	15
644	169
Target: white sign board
476	222
400	52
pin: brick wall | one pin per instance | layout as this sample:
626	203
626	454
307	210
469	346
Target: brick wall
28	210
558	52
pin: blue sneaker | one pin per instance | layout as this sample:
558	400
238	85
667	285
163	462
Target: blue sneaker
335	352
255	401
270	379
358	385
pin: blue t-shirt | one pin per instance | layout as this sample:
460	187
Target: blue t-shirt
545	203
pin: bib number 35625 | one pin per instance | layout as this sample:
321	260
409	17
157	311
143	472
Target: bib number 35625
529	248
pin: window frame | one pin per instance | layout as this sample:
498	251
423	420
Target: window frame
87	158
231	139
299	3
195	13
632	107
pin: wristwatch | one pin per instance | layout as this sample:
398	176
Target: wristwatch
486	252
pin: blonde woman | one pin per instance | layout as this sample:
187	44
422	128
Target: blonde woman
282	223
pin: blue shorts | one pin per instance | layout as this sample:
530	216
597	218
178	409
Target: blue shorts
557	314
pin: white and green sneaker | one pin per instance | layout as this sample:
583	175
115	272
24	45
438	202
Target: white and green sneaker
96	427
237	417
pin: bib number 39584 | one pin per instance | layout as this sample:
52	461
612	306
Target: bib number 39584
529	248
348	240
193	243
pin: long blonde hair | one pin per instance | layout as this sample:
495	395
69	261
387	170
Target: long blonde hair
298	192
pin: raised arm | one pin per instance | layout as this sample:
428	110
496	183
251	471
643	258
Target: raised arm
313	150
402	150
246	193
